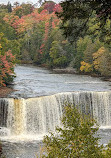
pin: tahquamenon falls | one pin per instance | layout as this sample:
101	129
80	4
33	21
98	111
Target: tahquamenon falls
36	116
37	106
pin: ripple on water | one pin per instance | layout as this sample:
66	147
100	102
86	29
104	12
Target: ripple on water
32	81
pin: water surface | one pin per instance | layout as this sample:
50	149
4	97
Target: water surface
32	81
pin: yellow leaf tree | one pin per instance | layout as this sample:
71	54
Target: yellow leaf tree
102	61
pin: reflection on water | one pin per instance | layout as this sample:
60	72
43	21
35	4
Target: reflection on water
22	150
32	81
105	135
32	149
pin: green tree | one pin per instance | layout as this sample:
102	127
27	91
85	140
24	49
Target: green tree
48	42
96	31
58	55
91	48
9	7
23	9
8	31
75	16
83	10
12	45
81	46
76	138
27	8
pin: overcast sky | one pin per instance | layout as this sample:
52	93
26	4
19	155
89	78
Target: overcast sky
20	1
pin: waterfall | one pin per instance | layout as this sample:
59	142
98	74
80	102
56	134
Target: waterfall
16	116
34	116
3	112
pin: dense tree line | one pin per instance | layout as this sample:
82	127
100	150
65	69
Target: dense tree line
33	34
89	20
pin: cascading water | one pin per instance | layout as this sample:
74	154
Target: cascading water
35	116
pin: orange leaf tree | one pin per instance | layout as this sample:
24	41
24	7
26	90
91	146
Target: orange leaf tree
7	61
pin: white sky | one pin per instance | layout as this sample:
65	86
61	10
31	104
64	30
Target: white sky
20	1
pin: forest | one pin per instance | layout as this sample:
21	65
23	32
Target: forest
47	36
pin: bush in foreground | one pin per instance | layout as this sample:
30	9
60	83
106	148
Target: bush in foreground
76	139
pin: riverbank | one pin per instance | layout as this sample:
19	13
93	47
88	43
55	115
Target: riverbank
107	79
70	70
5	91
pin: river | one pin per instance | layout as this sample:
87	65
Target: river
32	81
41	91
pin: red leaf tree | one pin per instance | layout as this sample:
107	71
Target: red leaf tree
7	61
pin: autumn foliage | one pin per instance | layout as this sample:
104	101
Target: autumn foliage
7	61
27	22
101	63
86	67
97	57
38	34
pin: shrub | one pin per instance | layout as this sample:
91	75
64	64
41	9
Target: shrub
76	139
